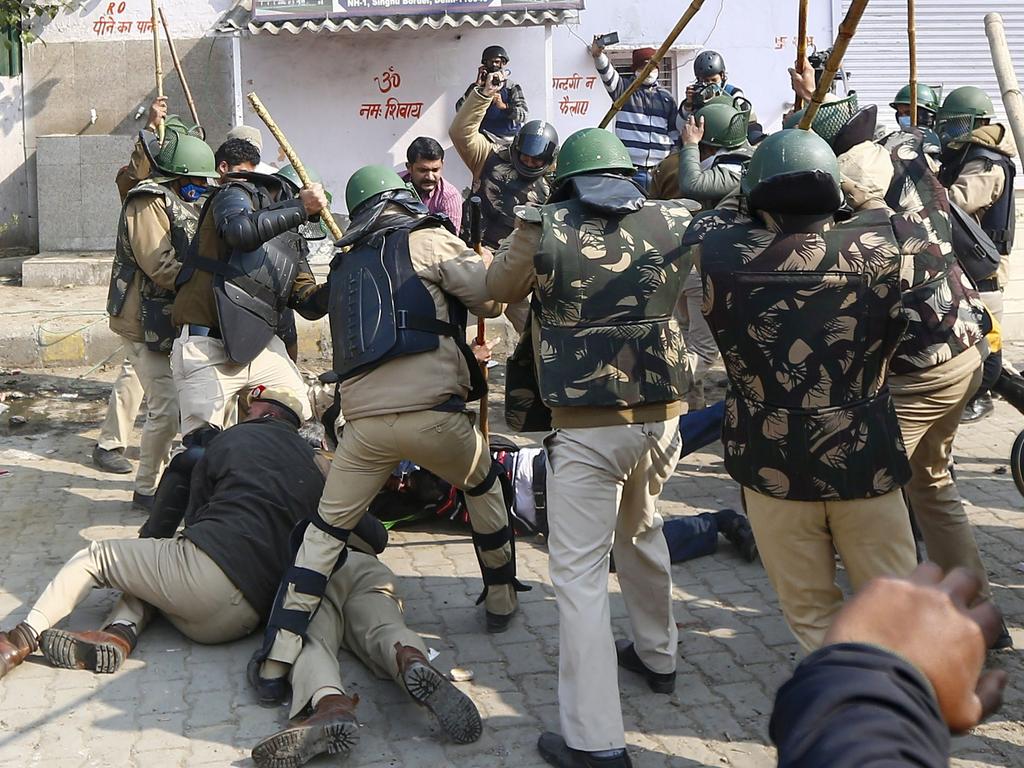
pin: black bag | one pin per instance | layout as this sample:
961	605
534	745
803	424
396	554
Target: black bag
974	249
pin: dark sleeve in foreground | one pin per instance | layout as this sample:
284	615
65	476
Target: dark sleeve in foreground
246	229
857	706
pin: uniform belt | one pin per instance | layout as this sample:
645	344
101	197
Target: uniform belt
202	330
991	285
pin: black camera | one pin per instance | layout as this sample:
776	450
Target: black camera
605	40
817	59
705	92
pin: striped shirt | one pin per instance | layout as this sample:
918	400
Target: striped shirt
646	124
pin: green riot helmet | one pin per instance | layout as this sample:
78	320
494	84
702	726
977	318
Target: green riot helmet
176	124
927	97
179	155
370	181
793	171
961	111
725	126
289	174
592	150
841	123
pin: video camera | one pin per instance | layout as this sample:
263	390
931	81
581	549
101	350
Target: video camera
817	59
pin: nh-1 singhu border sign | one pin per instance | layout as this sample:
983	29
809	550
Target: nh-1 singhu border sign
278	10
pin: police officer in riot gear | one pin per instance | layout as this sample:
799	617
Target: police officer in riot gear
246	265
503	177
158	221
605	266
978	170
398	301
816	447
927	105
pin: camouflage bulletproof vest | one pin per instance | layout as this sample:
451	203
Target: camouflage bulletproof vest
156	302
501	190
606	289
806	323
944	309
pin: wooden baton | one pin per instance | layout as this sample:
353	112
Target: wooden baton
159	66
177	67
293	158
655	60
801	46
846	31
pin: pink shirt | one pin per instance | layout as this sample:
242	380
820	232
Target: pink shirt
445	199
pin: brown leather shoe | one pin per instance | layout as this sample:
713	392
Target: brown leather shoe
15	645
331	729
102	651
455	711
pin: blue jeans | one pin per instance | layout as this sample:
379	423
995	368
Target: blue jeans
691	537
643	178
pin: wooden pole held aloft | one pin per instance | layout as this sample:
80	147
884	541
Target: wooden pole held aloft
158	64
178	68
655	60
801	47
293	158
846	32
912	42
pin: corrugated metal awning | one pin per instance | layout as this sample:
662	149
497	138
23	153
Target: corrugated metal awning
240	19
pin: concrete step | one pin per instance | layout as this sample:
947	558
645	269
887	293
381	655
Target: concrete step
58	269
57	327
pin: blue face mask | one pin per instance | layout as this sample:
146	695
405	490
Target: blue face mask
904	121
192	192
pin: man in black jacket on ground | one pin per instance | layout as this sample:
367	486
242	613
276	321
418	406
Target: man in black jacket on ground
240	493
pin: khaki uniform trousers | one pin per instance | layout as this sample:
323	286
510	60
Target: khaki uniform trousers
603	484
122	408
208	382
449	445
154	374
173	576
929	405
798	541
360	613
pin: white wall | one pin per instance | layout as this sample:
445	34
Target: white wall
314	84
17	217
186	18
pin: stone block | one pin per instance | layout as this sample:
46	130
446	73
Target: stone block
60	207
62	151
110	152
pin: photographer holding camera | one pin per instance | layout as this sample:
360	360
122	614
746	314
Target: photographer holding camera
508	110
711	81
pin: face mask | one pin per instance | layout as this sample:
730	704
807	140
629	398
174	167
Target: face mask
904	121
652	78
192	192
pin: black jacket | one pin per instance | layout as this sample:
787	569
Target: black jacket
857	706
250	487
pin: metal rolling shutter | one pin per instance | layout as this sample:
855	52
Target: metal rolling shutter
952	49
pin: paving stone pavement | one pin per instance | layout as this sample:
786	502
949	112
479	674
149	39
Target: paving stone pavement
178	703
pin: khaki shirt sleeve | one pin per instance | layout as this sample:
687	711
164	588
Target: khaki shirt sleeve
976	188
473	147
512	276
461	273
149	231
138	168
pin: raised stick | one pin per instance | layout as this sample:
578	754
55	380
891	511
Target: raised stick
1009	87
655	60
801	47
912	41
159	66
178	68
293	158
